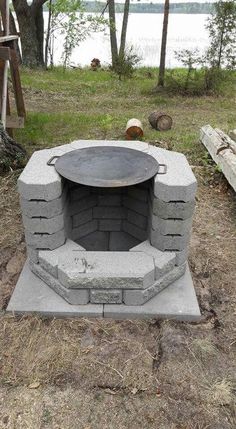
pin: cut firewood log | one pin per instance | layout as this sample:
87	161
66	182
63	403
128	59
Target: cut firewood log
134	129
160	121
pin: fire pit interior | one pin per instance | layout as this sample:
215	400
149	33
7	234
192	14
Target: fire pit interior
109	219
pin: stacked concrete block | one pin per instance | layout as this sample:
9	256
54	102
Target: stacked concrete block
173	203
133	241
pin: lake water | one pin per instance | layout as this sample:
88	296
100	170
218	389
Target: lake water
185	31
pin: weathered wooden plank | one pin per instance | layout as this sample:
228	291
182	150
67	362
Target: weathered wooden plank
221	153
15	75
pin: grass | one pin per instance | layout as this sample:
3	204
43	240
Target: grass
85	104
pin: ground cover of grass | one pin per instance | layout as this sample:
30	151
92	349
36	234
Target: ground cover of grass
92	374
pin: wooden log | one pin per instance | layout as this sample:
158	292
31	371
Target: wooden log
134	129
221	152
160	121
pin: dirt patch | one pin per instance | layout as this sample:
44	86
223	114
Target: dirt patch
104	373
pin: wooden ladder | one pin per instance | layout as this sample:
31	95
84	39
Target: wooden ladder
9	60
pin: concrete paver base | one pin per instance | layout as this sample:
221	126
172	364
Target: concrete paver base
32	295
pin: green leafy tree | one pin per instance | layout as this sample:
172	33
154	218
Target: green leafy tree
222	32
68	18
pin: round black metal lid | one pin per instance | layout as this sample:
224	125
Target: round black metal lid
107	166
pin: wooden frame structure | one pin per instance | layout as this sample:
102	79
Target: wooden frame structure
9	60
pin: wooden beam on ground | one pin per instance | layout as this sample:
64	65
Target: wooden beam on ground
222	150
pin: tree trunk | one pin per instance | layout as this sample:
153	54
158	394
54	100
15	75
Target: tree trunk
124	29
163	44
48	32
113	39
31	25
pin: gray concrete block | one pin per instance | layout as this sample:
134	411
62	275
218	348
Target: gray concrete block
181	256
136	145
139	193
33	254
179	182
45	241
83	204
44	225
85	229
107	270
171	226
97	240
135	231
39	181
48	259
139	297
109	225
173	210
82	217
47	209
137	219
109	212
109	200
33	295
78	296
164	261
169	242
78	192
178	301
121	241
101	296
136	205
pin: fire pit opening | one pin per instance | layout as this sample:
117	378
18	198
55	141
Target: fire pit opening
109	219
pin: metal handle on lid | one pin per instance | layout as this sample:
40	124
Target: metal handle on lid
51	159
162	169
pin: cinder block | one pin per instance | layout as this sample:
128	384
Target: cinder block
100	296
171	226
109	200
139	193
137	219
74	296
164	261
169	242
84	229
109	225
48	259
39	181
47	209
44	226
82	217
136	205
78	192
136	145
173	210
83	204
181	256
33	254
179	182
45	241
107	270
134	230
139	297
109	212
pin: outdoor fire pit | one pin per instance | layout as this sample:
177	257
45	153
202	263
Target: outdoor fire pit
107	227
